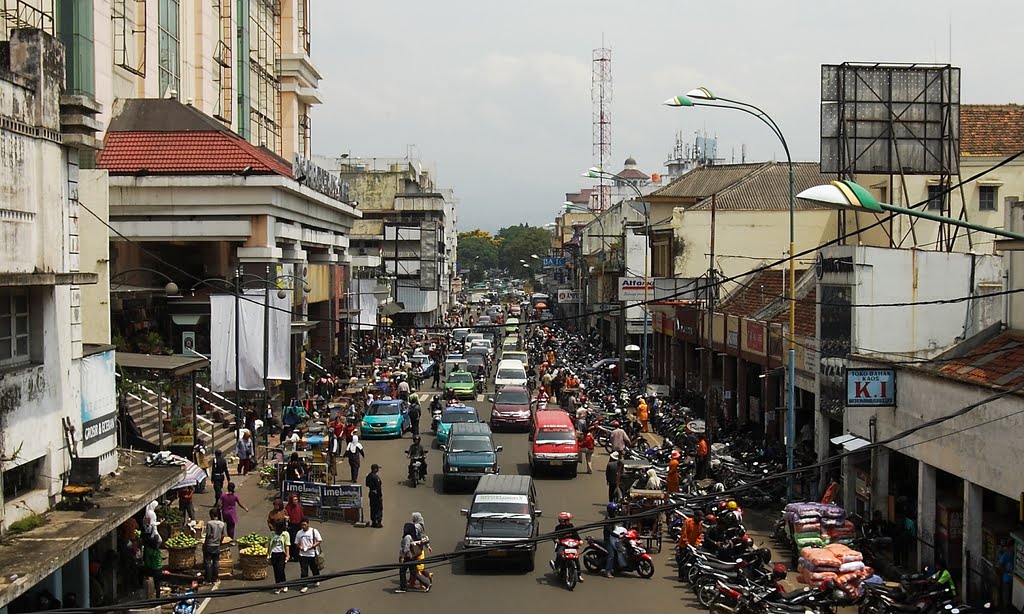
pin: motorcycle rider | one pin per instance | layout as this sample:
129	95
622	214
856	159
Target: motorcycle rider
565	529
449	395
414	452
610	539
616	553
732	516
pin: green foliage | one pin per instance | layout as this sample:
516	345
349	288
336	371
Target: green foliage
478	252
520	243
26	524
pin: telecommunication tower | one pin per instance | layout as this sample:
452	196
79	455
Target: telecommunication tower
601	96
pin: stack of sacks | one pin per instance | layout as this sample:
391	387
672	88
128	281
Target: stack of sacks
811	522
817	566
839	533
851	568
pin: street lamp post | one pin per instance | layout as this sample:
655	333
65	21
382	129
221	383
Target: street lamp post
598	173
848	194
705	96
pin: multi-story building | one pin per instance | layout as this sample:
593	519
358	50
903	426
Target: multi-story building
58	409
409	231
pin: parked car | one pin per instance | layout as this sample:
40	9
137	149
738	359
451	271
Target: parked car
510	407
386	418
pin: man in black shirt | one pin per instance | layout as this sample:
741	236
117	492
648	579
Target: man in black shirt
414	417
374	486
220	474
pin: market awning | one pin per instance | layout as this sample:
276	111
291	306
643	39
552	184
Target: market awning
175	365
849	442
30	557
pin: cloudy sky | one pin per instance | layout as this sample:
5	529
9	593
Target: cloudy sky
497	95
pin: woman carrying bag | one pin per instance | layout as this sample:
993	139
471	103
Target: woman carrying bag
277	553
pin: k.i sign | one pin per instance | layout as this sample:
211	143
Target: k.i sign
871	387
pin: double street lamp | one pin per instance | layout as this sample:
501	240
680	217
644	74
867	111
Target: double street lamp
703	97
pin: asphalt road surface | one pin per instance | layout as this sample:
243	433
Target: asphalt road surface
495	592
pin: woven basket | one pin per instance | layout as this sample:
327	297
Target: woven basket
181	558
253	566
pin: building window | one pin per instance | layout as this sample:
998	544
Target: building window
305	129
883	194
22	479
936	197
74	28
168	47
14	327
987	197
128	18
302	17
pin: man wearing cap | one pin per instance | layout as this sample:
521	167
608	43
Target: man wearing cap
613	476
374	487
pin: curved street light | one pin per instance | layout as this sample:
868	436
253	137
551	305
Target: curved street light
170	288
704	97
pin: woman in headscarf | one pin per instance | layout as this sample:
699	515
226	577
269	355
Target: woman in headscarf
411	549
149	520
354	452
653	481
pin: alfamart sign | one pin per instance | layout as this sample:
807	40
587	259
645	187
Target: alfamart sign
635	289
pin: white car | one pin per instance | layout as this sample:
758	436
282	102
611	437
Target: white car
510	373
483	343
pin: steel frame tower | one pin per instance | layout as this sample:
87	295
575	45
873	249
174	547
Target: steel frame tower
601	96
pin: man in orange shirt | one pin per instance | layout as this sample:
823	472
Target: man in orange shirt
702	459
693	530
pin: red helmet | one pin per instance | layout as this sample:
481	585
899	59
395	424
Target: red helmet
564	516
632	534
711	519
676	455
615	424
780	569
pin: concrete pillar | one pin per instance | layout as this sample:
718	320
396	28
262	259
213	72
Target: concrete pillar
821	443
75	577
54	583
742	396
848	490
729	386
880	481
973	568
925	514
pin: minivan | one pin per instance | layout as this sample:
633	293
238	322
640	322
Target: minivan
510	373
468	454
513	500
553	445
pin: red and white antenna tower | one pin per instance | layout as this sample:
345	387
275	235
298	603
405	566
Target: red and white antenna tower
601	96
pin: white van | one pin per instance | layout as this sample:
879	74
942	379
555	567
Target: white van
510	373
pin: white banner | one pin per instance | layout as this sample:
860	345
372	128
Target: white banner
366	303
251	343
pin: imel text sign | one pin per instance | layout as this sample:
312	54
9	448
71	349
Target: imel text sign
871	387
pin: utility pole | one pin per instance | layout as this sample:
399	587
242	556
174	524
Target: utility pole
710	397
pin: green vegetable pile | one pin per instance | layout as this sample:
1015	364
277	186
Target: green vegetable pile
180	541
253	539
168	514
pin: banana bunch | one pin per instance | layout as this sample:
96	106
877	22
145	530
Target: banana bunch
253	539
254	550
181	541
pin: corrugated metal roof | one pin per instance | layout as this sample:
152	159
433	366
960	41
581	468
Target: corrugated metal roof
767	188
367	228
706	180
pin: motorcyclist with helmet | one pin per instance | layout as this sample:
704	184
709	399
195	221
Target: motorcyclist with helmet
613	533
415	452
564	529
731	516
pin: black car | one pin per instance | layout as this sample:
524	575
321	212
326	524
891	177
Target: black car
504	510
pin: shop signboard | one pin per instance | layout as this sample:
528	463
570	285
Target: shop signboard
568	295
754	339
183	418
341	496
635	289
871	387
99	398
309	492
554	262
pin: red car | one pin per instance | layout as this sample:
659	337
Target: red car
511	408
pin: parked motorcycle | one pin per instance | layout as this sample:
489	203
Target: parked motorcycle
637	558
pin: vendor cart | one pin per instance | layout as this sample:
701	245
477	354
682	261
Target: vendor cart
649	527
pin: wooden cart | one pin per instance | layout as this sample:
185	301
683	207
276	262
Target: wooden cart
650	526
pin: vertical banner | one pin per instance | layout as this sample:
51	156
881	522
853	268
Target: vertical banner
99	398
183	411
252	314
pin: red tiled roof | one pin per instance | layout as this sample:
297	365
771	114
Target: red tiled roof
991	129
631	173
997	362
581	198
806	313
186	153
754	293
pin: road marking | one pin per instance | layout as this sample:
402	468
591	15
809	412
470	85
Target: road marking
479	398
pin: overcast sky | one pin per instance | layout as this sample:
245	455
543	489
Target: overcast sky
497	95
